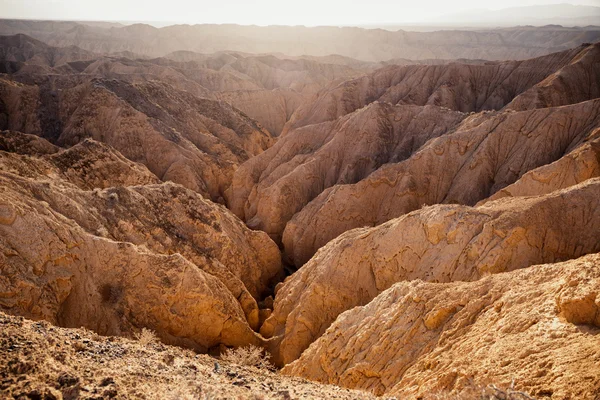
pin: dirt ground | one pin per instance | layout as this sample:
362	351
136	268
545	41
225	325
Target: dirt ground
41	361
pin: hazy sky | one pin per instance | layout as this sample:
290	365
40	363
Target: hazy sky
259	12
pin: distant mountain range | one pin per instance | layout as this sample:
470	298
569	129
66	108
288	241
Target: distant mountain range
538	15
373	45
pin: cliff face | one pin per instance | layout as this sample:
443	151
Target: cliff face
324	177
536	329
117	259
442	243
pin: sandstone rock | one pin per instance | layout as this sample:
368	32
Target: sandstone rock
461	87
442	243
573	168
576	82
53	270
17	142
163	219
486	153
87	165
269	189
195	142
90	164
537	326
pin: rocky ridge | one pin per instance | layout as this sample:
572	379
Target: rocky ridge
536	329
442	243
80	257
292	193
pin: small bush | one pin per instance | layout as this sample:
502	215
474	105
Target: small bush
251	356
476	392
491	392
147	336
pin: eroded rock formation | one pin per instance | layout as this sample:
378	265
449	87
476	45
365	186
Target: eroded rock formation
442	243
268	190
416	201
536	327
179	137
114	260
462	87
292	191
481	156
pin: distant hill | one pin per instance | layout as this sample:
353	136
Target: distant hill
373	45
539	15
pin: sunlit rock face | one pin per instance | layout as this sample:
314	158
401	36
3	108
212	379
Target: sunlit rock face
533	329
92	239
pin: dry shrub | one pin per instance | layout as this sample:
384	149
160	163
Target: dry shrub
146	337
251	356
489	392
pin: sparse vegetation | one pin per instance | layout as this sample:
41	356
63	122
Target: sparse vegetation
42	361
489	392
147	336
251	356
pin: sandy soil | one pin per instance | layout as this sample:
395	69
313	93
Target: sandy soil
41	361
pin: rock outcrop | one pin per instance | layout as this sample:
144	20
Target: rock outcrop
573	168
189	140
268	190
417	201
289	190
462	87
578	81
442	243
536	327
483	155
126	257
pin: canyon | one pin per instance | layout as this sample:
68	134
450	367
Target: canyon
407	221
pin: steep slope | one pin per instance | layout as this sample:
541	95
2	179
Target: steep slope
267	88
18	50
575	167
462	87
118	259
537	327
268	190
189	140
578	81
442	243
484	154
